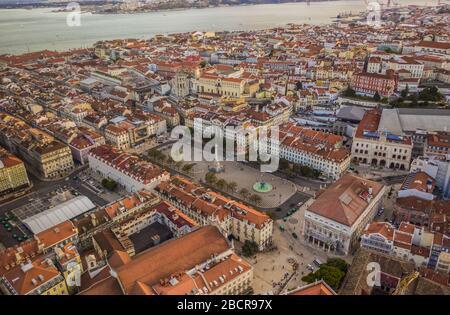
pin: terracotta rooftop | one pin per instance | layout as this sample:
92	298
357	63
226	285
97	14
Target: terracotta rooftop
346	199
176	255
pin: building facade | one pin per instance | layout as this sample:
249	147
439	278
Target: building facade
337	217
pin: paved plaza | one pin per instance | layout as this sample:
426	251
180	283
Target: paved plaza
246	176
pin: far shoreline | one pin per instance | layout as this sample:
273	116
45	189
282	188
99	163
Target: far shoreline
61	9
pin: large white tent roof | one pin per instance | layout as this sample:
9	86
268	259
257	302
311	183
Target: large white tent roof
58	214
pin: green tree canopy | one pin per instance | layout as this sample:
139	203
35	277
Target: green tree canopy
331	275
249	248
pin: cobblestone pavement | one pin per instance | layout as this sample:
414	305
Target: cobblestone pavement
245	177
273	271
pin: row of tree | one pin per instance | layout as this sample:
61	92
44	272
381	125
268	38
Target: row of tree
297	169
212	179
349	92
421	99
156	155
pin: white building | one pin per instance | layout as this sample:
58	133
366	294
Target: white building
437	168
338	216
127	170
378	147
318	150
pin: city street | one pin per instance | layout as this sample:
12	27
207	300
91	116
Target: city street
37	201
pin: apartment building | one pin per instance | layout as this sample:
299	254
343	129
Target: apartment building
437	144
127	132
207	207
45	156
168	112
408	66
337	217
54	159
438	168
371	83
127	170
201	262
379	148
437	48
378	236
37	277
118	137
13	175
319	150
83	143
415	199
56	237
410	243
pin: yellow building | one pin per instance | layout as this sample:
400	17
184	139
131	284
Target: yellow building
443	263
13	175
43	154
55	159
69	262
214	84
39	277
233	104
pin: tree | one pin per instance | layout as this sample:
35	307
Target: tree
414	101
210	178
298	85
244	192
377	96
231	186
405	92
109	184
430	94
284	164
255	198
338	263
303	170
188	167
154	154
249	248
221	183
331	275
349	92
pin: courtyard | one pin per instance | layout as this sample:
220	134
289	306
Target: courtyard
155	233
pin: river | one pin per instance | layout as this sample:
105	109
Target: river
31	30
